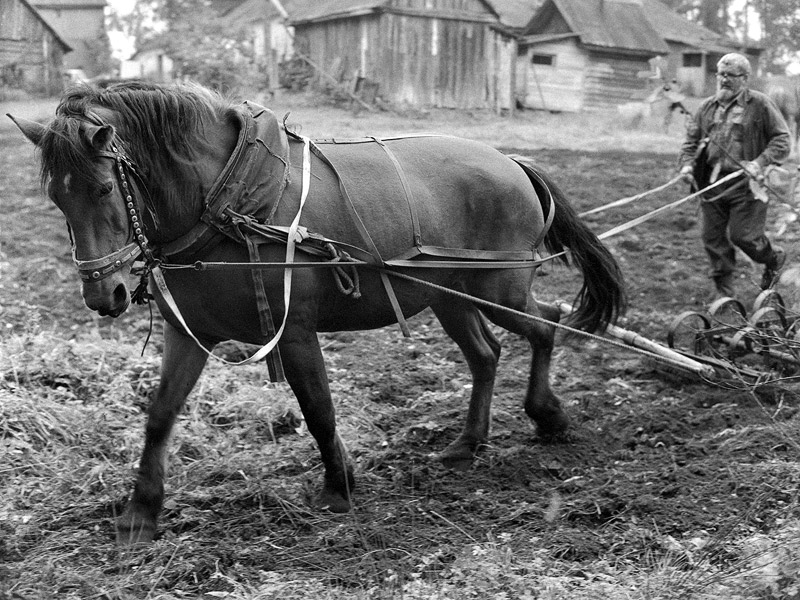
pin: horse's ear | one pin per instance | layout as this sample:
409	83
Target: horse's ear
31	129
99	136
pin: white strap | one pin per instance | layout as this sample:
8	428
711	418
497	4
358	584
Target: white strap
158	276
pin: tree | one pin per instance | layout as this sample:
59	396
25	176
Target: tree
780	26
208	51
779	22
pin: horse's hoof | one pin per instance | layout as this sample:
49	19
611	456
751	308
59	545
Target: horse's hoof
459	456
554	424
456	463
332	502
135	537
134	531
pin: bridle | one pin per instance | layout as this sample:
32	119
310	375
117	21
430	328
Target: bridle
100	268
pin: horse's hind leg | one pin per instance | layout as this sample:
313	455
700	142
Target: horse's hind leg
469	329
181	365
541	404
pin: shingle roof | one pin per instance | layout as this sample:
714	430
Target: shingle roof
515	13
635	25
50	28
611	24
328	9
56	4
674	28
250	10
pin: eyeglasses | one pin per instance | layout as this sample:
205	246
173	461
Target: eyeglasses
729	75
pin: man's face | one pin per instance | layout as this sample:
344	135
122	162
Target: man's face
730	82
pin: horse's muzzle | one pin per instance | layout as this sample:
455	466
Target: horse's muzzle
104	301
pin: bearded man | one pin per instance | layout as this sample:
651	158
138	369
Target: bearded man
736	129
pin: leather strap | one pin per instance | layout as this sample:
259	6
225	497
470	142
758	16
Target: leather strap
262	352
412	207
375	255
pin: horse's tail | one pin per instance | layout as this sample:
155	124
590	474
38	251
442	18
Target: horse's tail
602	299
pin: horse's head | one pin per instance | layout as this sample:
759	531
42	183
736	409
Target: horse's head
87	181
98	151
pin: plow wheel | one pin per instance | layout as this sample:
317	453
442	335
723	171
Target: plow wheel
741	343
770	323
728	312
771	298
690	332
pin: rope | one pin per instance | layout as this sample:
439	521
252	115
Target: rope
524	315
660	209
630	199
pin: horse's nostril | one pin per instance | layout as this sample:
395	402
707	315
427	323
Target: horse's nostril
120	294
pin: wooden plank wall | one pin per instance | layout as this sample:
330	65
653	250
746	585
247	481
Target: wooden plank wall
612	80
556	87
417	59
30	55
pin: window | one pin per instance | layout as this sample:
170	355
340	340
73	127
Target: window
543	59
693	60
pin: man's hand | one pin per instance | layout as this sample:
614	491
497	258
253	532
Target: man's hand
753	169
687	174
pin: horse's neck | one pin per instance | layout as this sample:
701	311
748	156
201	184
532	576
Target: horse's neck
182	197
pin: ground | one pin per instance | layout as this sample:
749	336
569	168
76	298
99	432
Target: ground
666	486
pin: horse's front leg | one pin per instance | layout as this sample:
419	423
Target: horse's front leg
181	365
305	371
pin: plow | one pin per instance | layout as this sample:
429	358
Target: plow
726	344
759	345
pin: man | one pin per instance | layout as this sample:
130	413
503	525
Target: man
735	129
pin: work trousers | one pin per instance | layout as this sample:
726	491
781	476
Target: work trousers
734	220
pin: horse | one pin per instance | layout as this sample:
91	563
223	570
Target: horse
139	171
784	91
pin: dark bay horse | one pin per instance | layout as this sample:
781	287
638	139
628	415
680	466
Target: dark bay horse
137	168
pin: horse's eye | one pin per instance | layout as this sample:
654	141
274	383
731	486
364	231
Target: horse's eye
104	189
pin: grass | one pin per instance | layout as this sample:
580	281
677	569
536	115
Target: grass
70	423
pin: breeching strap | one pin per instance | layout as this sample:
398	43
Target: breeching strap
293	237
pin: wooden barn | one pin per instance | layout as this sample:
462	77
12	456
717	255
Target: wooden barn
591	54
82	24
422	53
693	49
586	54
31	52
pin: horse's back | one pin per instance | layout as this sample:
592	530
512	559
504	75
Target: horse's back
434	190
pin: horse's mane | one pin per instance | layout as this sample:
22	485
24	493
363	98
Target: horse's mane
161	126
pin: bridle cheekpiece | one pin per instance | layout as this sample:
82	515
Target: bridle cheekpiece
100	268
